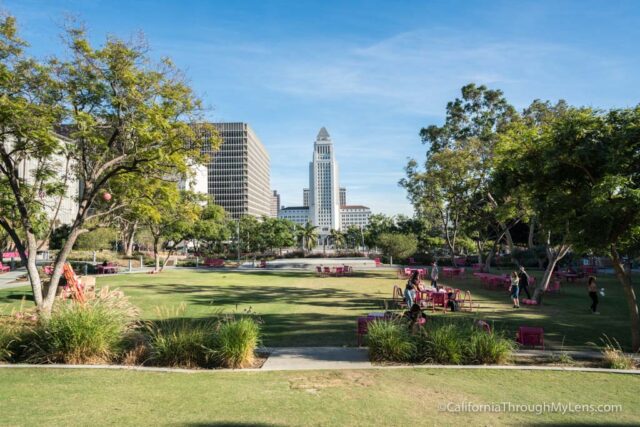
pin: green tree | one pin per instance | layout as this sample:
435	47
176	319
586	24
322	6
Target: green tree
354	236
277	233
122	115
98	239
309	235
337	238
588	191
397	245
212	227
457	172
378	224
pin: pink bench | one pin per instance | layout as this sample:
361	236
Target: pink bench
4	268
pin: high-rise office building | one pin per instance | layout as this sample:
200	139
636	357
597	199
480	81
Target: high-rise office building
239	172
275	204
324	191
305	197
324	203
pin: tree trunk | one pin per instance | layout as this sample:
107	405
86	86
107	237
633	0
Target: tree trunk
487	265
507	235
532	227
480	247
156	254
553	256
29	259
130	235
624	276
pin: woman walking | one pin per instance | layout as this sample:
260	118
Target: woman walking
514	289
593	294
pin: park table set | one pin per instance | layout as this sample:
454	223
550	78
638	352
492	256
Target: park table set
110	268
335	271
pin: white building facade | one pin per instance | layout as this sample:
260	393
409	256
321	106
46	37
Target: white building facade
354	215
324	191
297	214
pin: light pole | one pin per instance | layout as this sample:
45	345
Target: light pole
238	241
362	234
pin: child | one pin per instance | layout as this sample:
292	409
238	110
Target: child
514	289
593	294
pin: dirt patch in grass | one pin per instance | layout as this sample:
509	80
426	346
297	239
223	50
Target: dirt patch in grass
314	383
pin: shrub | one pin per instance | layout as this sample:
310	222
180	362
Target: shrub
613	357
390	341
442	343
79	334
487	348
181	342
236	343
9	336
83	333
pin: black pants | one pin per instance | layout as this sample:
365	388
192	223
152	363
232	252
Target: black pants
594	301
525	289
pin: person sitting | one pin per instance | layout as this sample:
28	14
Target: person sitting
415	315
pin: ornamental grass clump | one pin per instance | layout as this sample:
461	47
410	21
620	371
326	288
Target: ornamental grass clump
9	337
90	333
442	344
487	348
178	341
183	343
390	341
613	357
236	342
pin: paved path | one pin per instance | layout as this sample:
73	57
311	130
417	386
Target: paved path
303	358
8	280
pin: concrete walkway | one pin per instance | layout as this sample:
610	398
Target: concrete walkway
306	358
8	280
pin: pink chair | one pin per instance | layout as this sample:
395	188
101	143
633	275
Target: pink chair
339	271
439	299
530	336
363	327
4	268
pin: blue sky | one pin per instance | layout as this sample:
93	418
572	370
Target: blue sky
373	73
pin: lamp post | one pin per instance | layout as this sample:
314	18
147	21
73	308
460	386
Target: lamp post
238	241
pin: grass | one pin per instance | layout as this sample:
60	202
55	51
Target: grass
299	309
366	397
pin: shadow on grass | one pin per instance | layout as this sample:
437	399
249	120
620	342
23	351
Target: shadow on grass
17	296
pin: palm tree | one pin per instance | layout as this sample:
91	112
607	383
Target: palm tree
337	237
309	234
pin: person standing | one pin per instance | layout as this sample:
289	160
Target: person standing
514	289
409	294
593	294
523	281
434	274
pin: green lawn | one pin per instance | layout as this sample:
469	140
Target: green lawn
369	397
301	309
